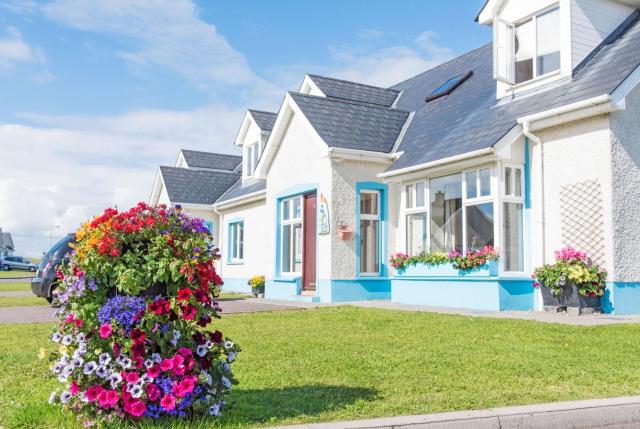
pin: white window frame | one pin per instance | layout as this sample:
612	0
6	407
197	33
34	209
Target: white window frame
466	202
236	242
292	239
512	198
251	160
534	21
414	209
378	217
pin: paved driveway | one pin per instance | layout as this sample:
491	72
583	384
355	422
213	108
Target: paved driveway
44	313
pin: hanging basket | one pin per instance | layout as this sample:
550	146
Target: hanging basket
345	233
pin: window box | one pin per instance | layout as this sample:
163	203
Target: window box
569	298
490	269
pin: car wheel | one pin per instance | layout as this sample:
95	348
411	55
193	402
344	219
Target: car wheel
32	269
6	268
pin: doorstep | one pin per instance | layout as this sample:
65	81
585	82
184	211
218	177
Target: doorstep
594	413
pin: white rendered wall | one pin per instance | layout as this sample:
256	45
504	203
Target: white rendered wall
344	177
591	22
301	159
255	241
625	161
576	152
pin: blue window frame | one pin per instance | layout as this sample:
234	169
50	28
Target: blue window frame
236	242
371	229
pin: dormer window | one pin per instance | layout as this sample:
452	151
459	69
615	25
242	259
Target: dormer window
252	155
528	49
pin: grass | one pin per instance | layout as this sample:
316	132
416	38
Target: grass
14	286
234	295
345	363
19	301
15	273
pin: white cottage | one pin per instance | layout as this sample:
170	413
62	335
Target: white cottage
526	144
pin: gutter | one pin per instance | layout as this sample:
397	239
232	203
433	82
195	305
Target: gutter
426	165
245	199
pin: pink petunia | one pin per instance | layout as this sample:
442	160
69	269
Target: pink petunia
74	388
131	377
108	398
168	402
166	364
154	371
153	391
137	408
105	330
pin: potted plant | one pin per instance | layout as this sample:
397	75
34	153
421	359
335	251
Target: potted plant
257	286
573	281
345	232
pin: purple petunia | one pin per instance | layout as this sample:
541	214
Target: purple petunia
122	309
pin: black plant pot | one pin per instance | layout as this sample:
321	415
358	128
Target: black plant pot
569	298
257	290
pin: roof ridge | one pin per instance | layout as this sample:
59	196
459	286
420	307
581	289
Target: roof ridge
211	153
356	83
262	111
442	64
200	169
348	101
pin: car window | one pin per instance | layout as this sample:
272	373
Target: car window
60	244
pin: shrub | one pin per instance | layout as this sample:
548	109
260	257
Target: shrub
136	297
257	281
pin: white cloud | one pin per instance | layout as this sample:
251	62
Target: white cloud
62	170
167	34
14	50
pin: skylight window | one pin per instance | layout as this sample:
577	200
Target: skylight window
449	86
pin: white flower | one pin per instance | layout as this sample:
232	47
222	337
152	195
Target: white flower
201	350
82	347
226	382
209	344
156	357
104	358
146	378
148	363
57	368
101	371
115	379
126	363
228	345
65	397
214	410
77	362
67	370
78	354
136	391
64	358
231	356
56	337
52	397
66	340
81	337
176	335
83	397
89	367
62	378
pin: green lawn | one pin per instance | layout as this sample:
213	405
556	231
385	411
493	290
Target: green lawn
345	363
15	273
11	286
18	301
234	295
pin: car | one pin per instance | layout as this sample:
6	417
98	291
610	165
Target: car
17	263
45	281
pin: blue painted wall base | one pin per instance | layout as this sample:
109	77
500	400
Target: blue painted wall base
283	288
234	284
476	293
621	298
334	290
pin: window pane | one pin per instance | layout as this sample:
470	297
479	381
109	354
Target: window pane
234	243
507	181
446	213
297	248
286	209
479	226
241	240
472	185
548	42
256	155
524	47
420	194
485	182
297	208
369	203
416	233
518	181
369	246
409	196
513	247
286	248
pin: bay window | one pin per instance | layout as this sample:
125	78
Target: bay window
291	235
446	213
369	232
513	223
478	209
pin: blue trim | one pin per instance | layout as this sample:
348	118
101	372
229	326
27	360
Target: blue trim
382	234
526	216
622	298
283	288
235	284
362	289
230	223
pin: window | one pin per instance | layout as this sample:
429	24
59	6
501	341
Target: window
291	235
513	224
252	157
416	209
478	209
537	46
236	241
369	232
446	213
449	86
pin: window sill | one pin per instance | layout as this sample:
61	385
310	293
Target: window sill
235	263
288	279
532	83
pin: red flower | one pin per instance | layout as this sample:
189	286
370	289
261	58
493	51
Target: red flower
153	391
114	252
189	312
184	294
204	321
201	295
137	335
216	336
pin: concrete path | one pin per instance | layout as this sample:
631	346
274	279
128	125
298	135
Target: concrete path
15	280
611	413
13	293
539	316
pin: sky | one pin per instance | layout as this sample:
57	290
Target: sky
95	95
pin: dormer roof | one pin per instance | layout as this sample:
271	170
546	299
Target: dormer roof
210	160
352	91
264	120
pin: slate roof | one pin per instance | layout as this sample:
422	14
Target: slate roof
351	124
195	186
265	120
342	89
6	241
214	161
240	189
470	118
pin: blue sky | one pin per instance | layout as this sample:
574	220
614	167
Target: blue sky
97	94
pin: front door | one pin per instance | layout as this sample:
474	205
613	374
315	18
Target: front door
309	255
